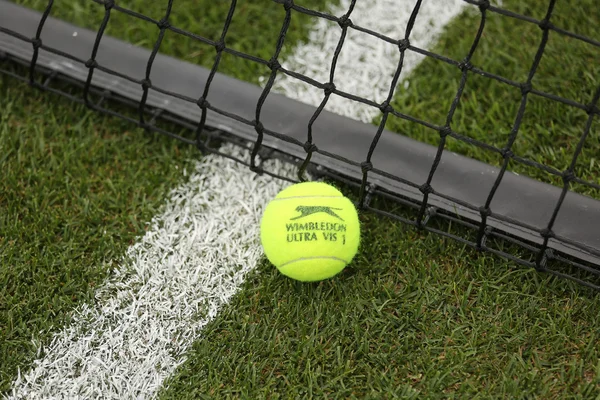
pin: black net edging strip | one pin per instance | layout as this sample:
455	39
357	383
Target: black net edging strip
399	168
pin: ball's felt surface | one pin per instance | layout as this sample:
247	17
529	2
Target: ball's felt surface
310	231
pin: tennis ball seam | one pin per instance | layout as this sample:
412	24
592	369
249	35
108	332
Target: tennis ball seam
314	258
306	197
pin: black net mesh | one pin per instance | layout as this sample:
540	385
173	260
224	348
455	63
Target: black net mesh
418	213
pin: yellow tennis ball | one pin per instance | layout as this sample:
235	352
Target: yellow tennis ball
310	231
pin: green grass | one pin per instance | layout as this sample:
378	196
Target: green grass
254	29
78	188
550	130
415	315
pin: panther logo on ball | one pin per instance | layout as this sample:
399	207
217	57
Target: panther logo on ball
305	211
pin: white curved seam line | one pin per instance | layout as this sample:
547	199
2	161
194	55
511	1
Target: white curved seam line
307	197
315	258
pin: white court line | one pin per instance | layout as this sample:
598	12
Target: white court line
366	64
192	260
196	254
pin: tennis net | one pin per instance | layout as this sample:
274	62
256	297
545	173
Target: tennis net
549	224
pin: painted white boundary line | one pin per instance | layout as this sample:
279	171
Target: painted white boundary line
366	64
192	260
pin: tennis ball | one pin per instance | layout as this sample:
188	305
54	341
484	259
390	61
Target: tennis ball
310	231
